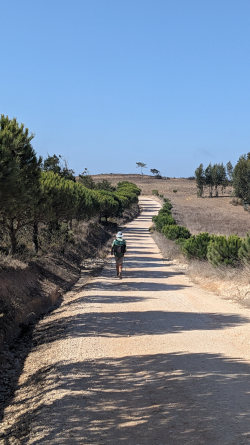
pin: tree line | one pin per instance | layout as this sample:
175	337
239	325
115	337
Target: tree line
218	176
37	194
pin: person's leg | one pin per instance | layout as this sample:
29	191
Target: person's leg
120	267
117	266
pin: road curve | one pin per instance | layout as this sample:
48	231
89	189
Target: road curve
149	360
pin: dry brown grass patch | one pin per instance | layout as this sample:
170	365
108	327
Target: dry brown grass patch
227	281
9	262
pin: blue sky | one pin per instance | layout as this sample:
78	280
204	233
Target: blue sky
108	83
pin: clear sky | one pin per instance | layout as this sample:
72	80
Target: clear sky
108	83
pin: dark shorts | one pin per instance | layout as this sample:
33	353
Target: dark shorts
119	261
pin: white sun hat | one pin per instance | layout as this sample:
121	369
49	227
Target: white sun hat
119	235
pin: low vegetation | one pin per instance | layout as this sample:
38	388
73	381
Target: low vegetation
217	249
218	263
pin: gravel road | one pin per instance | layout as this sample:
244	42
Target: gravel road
148	360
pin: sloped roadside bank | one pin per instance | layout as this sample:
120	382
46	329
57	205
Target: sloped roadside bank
228	282
29	291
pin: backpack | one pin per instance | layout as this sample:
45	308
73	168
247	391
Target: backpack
119	248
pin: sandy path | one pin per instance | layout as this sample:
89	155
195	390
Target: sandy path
150	360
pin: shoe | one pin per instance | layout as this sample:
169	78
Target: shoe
120	276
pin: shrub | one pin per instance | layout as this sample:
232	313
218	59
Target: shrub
166	208
175	191
180	242
155	192
223	250
128	187
164	213
174	232
196	246
236	201
244	250
55	237
163	219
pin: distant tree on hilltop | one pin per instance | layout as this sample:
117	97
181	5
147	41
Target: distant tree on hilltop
141	165
156	173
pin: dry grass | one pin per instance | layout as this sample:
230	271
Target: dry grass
169	249
213	215
9	262
229	282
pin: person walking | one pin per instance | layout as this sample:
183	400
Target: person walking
118	249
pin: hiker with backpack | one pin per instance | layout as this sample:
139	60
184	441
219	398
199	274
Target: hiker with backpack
118	249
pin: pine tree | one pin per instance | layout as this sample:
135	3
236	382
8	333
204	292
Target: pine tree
19	177
244	251
58	165
241	178
209	179
218	174
229	170
141	165
223	250
200	180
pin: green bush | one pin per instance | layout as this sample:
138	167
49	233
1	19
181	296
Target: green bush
108	204
165	211
155	192
196	246
174	232
128	187
167	206
162	220
223	250
244	250
180	242
127	194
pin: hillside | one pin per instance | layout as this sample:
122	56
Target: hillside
216	215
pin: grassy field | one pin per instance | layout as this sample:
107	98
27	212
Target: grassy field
213	215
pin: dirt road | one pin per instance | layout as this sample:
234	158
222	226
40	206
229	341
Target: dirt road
151	359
